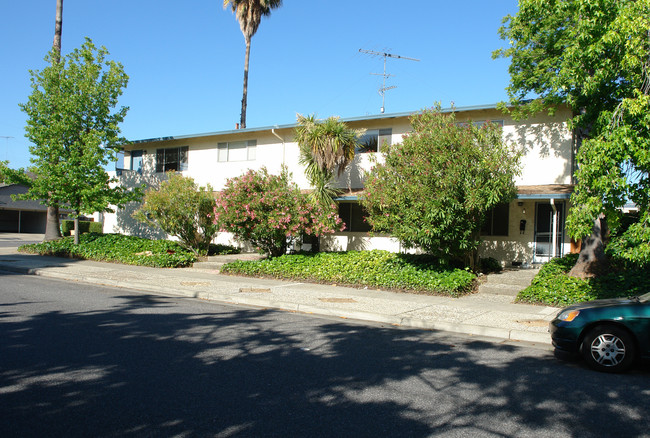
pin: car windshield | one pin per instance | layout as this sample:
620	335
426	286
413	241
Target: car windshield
645	297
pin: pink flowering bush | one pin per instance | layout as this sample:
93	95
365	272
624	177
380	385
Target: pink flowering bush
270	211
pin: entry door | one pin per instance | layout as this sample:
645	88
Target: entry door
545	216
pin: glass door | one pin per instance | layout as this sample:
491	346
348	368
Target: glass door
549	228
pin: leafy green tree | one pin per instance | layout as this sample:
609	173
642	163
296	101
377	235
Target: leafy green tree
433	190
591	56
181	209
75	133
249	13
269	211
325	147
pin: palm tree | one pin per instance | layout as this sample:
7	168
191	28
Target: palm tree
52	227
249	14
324	147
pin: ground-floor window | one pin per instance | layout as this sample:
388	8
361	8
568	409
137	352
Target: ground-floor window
496	221
354	217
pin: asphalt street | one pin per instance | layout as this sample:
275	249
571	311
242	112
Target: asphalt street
78	360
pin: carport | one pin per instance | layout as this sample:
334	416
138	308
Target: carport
20	216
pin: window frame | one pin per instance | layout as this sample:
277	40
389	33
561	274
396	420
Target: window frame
378	137
137	153
181	162
488	227
354	217
224	151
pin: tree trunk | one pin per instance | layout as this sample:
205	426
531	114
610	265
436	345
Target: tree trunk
52	226
592	260
58	26
244	99
76	228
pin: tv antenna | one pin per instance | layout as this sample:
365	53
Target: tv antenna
6	137
384	88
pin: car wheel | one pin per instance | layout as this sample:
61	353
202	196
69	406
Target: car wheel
608	348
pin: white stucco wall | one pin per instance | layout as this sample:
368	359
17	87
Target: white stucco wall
545	141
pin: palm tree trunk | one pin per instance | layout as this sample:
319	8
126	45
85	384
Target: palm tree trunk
244	99
52	227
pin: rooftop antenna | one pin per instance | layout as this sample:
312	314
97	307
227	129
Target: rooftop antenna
384	88
6	137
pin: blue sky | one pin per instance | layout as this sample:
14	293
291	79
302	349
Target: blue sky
185	60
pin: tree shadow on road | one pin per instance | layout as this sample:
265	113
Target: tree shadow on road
146	367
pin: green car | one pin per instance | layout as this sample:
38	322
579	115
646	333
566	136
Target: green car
610	334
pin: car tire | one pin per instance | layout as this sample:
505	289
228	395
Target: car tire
609	349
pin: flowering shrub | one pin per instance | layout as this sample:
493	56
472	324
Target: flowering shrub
182	209
269	211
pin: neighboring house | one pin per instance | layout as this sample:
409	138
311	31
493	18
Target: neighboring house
20	216
528	230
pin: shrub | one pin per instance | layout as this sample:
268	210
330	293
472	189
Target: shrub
362	268
219	249
117	248
182	209
269	210
434	189
489	264
67	225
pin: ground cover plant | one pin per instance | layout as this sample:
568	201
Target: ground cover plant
553	286
118	248
374	269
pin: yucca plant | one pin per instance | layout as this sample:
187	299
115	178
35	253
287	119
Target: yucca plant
325	146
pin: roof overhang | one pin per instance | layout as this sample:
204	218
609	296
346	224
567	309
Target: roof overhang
545	191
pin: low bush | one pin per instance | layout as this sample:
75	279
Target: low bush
219	249
489	265
552	286
380	269
67	226
118	248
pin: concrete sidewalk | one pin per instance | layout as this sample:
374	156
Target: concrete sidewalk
477	314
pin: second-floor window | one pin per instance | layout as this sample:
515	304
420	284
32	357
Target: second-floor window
237	151
171	159
374	139
137	160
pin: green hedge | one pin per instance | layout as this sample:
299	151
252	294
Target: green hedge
377	269
117	248
67	226
552	286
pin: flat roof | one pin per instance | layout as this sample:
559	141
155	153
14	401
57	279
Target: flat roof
293	125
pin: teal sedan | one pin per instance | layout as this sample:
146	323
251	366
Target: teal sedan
610	334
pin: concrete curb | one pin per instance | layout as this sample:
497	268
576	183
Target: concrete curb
230	298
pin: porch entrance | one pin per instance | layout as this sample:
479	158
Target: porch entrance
549	231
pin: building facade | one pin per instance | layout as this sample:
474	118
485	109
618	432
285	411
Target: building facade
528	230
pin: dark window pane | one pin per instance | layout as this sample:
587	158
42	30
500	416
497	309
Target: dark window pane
172	159
500	220
496	221
357	218
344	214
160	160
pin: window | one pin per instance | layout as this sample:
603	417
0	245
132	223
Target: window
374	139
237	151
496	221
353	215
171	159
137	157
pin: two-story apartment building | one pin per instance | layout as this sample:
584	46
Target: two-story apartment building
528	230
